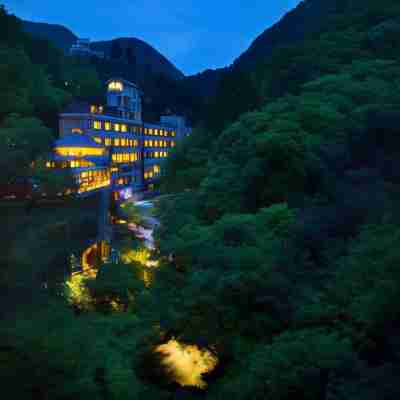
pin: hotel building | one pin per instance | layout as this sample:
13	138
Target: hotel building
109	146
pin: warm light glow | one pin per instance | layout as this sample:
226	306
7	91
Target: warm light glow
93	179
79	151
97	125
107	126
115	86
187	363
77	293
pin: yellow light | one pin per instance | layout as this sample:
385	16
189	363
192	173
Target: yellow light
116	86
187	363
97	125
79	151
107	126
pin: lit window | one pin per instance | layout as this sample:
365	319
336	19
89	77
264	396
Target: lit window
124	128
97	124
97	140
115	86
150	143
101	110
116	142
76	130
108	141
117	127
156	154
123	142
107	126
93	109
173	133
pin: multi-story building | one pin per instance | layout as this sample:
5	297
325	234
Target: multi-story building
111	147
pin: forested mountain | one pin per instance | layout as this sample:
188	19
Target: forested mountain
279	241
134	60
285	223
59	35
140	55
307	18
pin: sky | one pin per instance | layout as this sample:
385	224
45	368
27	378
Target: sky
193	34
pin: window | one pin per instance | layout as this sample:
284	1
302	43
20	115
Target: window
124	128
108	141
115	86
97	140
117	127
123	142
93	109
107	126
76	130
97	124
116	142
173	133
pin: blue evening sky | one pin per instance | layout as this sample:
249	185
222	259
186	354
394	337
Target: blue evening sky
192	34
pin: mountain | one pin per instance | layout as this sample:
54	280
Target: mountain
139	55
309	16
59	35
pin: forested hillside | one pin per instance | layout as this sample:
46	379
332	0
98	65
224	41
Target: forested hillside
36	81
278	246
162	83
284	226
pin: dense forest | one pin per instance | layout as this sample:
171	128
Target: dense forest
278	240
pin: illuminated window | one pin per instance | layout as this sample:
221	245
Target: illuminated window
97	140
76	130
117	127
101	109
115	86
151	132
79	151
107	126
156	154
173	133
97	124
172	144
116	142
107	141
124	128
150	143
123	142
93	109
